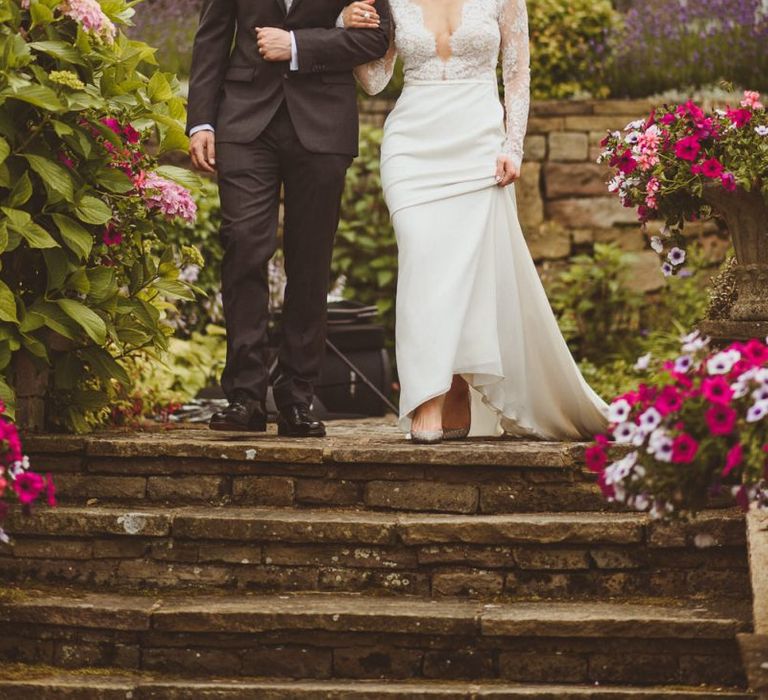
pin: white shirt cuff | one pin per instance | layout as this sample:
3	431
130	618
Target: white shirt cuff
340	21
294	54
200	127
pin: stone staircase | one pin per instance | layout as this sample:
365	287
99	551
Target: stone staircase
188	564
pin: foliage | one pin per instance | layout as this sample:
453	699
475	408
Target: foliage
365	255
568	47
16	477
700	429
85	211
665	44
160	387
665	164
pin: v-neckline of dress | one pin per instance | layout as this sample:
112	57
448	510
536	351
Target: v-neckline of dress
422	21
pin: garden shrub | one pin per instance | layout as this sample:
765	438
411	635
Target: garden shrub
85	211
667	44
568	47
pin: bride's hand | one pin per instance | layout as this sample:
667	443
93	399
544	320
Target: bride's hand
506	171
361	15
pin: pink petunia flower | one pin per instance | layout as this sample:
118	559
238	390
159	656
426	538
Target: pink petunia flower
755	352
729	182
688	148
712	168
28	487
739	117
668	401
684	449
111	236
733	459
717	390
720	419
596	458
752	99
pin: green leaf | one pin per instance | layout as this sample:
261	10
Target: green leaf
21	191
173	288
88	320
8	398
105	365
21	222
41	14
5	149
158	88
75	237
39	96
7	304
58	49
55	319
103	283
114	180
92	210
53	175
182	176
57	267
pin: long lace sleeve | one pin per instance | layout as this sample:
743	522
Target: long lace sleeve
516	71
375	75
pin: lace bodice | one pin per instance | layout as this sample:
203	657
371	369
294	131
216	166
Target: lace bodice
472	51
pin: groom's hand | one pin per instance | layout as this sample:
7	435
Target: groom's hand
202	150
274	43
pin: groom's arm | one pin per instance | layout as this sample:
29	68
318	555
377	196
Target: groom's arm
210	57
321	50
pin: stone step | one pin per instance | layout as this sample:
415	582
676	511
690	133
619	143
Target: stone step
324	637
273	549
346	470
75	686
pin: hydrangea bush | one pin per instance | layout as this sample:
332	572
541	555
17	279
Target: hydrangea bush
17	480
697	429
664	163
86	211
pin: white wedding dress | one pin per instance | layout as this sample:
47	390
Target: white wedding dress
469	298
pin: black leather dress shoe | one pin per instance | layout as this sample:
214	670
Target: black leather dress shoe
298	421
242	414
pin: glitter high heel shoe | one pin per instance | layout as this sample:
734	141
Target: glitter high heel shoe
427	437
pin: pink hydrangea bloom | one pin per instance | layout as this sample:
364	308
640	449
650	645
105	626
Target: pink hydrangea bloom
168	197
91	17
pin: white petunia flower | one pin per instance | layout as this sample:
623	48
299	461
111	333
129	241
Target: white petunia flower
624	433
667	269
641	502
723	362
757	412
650	419
761	393
761	130
643	362
676	256
657	244
635	125
618	471
683	364
619	411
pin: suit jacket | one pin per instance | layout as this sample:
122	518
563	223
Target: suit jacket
233	88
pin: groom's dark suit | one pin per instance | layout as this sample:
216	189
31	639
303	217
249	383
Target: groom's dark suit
274	127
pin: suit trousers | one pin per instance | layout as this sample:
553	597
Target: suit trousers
250	176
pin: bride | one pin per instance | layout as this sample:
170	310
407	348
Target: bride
478	348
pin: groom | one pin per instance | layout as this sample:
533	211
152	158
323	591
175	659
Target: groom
276	107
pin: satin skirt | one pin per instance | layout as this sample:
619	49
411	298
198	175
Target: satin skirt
469	298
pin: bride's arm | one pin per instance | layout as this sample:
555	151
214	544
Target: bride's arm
375	75
515	64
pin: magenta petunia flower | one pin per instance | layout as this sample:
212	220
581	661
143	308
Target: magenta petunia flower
595	458
131	135
712	168
668	401
755	351
733	459
28	487
717	390
684	449
668	119
739	117
688	148
721	420
729	181
626	163
112	236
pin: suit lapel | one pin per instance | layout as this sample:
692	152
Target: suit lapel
293	6
281	5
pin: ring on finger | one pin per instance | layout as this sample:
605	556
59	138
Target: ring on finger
367	15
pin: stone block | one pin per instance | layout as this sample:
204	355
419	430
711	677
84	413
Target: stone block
470	583
376	662
52	549
595	123
120	548
215	662
545	125
633	668
500	498
498	557
175	550
542	667
614	558
535	148
551	558
263	490
646	273
591	212
327	492
568	146
549	241
459	663
288	662
530	205
422	495
77	487
360	557
185	488
629	239
575	180
230	553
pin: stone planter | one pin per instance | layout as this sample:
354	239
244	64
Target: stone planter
746	215
754	647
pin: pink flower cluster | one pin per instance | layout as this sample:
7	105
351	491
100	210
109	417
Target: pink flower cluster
91	17
168	197
701	426
15	474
